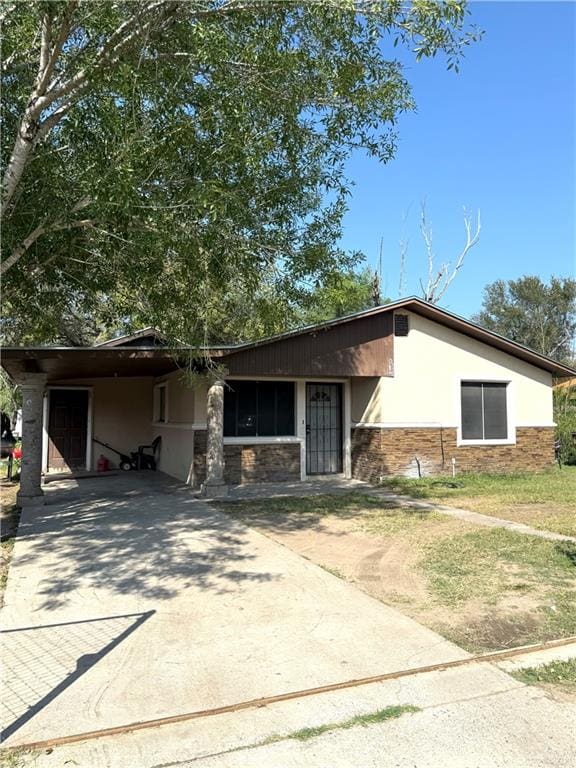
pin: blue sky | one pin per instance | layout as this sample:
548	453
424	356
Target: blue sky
499	137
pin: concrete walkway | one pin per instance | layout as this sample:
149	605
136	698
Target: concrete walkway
129	599
474	517
471	717
340	485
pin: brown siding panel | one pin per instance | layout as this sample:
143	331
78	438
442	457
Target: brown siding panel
360	348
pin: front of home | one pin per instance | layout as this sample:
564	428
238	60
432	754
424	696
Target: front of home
406	388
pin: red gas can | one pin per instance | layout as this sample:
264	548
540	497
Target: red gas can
102	465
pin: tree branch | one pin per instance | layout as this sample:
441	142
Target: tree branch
40	230
63	33
437	285
8	9
31	127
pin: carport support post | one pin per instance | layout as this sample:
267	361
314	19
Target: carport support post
214	485
32	388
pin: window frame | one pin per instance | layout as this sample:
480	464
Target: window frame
156	420
510	421
293	437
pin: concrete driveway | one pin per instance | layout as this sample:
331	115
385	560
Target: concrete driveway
129	599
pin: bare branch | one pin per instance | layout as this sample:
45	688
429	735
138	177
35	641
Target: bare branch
49	123
438	283
8	61
471	241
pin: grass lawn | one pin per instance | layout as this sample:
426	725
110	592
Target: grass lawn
546	500
483	588
9	520
559	676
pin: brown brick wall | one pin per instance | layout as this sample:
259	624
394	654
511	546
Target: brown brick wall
260	463
377	452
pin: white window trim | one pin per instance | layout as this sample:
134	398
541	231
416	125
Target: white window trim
156	403
261	440
401	425
89	424
510	411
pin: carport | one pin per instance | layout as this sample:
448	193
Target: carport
58	383
66	386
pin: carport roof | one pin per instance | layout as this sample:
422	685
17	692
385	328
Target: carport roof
60	363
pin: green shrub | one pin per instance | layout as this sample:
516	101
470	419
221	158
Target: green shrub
565	418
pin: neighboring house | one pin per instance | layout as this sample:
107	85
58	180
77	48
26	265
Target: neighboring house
404	388
566	384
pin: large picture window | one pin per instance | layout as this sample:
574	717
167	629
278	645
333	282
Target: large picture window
259	409
484	411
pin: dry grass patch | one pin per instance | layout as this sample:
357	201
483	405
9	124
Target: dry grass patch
9	523
546	501
522	589
484	589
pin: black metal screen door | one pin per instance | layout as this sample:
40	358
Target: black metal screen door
323	429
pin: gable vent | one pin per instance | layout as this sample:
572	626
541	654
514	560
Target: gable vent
401	325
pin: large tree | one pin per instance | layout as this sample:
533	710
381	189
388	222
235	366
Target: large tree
539	315
157	152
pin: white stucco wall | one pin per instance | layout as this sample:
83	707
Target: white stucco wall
121	414
177	451
176	454
180	399
429	364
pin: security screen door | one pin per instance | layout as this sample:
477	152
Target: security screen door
323	429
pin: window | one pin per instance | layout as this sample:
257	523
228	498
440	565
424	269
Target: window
484	411
160	403
259	408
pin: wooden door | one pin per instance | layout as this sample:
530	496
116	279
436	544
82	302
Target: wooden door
67	429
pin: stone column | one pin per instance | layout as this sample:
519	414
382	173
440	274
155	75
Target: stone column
214	484
32	388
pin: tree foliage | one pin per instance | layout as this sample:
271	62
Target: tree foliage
157	153
539	315
565	418
240	315
342	294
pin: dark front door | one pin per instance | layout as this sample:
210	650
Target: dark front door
323	429
67	428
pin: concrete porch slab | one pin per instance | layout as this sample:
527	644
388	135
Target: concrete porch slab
332	484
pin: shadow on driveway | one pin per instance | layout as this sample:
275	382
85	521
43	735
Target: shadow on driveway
140	534
39	663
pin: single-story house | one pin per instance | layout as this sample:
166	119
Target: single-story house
405	388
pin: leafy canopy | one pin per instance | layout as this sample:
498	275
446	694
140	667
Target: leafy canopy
158	153
539	315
